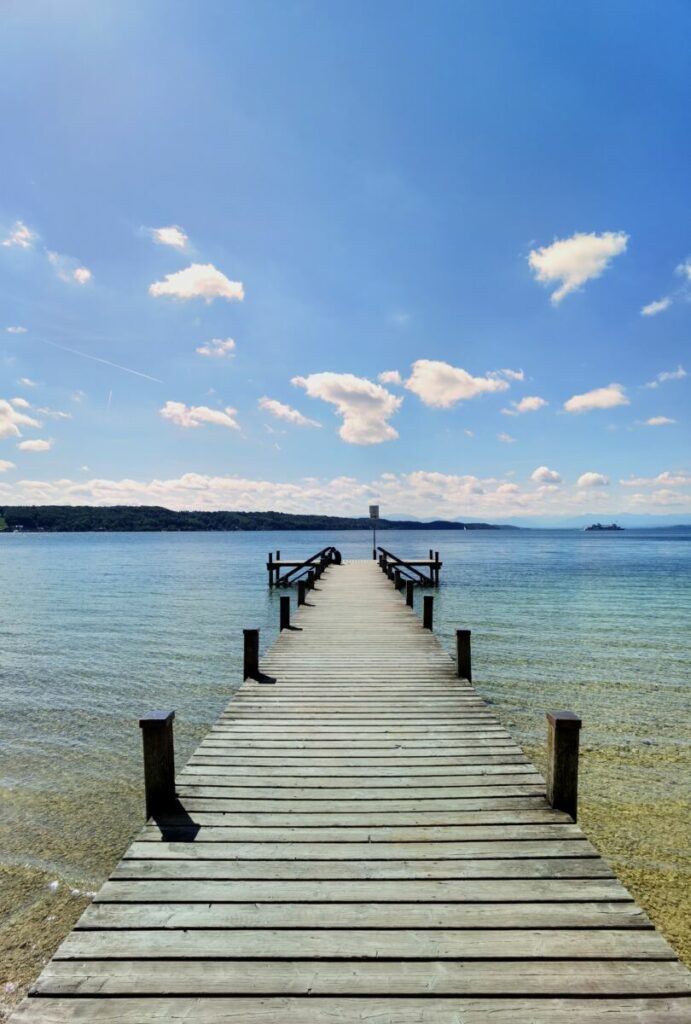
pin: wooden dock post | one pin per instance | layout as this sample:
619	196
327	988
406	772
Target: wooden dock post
310	580
409	591
562	761
463	665
270	567
285	613
435	570
301	592
397	579
159	761
278	556
251	659
427	611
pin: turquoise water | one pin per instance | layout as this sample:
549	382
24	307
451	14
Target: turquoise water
98	628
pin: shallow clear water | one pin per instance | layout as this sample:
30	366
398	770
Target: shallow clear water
96	629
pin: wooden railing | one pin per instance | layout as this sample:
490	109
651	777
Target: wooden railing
422	571
297	570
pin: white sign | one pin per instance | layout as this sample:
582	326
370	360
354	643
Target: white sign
374	511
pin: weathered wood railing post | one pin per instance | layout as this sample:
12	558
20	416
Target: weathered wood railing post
270	567
409	591
563	730
463	665
251	654
302	586
427	611
278	556
435	571
285	613
159	761
310	580
397	579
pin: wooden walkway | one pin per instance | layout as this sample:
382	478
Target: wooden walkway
361	841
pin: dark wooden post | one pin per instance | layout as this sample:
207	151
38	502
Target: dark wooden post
463	667
311	579
159	761
251	660
301	592
278	556
397	579
431	554
285	613
409	590
427	611
436	568
563	730
270	567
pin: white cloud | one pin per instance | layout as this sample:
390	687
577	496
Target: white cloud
16	330
365	406
68	269
20	403
195	415
285	412
11	420
531	403
198	281
684	269
173	236
441	385
469	433
38	445
575	260
5	465
509	374
55	414
545	475
659	421
592	480
653	308
666	375
598	398
667	479
390	377
21	236
27	382
506	438
217	348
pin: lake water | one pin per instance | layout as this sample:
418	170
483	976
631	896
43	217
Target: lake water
96	629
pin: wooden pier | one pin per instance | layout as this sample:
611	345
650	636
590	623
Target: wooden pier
357	839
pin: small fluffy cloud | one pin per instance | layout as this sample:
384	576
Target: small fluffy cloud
390	377
666	375
11	420
667	479
69	269
284	412
653	308
198	281
441	385
188	416
20	403
5	465
575	260
531	403
545	475
55	414
659	421
20	235
598	398
27	382
509	374
592	480
506	438
16	330
39	445
365	406
217	348
684	269
173	236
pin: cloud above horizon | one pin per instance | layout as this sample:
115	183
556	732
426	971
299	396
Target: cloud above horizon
38	445
281	411
598	398
217	348
172	236
575	260
198	281
191	416
592	480
531	403
11	420
441	385
662	378
365	407
20	236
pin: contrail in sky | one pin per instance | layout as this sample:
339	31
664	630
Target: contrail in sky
97	359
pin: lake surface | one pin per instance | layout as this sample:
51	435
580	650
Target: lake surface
97	629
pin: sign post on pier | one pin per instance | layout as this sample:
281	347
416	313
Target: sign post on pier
374	515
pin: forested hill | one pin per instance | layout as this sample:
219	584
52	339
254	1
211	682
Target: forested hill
87	518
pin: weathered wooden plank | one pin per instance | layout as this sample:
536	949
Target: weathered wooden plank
357	1010
232	977
337	776
366	944
429	891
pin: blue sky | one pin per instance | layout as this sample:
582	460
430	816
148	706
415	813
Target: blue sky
486	203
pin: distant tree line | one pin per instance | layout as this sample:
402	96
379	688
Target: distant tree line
147	518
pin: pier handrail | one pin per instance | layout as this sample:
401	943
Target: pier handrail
329	554
407	565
